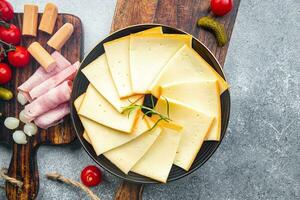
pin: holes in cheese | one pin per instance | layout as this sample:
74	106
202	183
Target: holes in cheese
42	56
99	76
61	36
117	53
30	19
103	138
96	108
127	155
195	124
158	160
49	18
148	55
186	65
203	96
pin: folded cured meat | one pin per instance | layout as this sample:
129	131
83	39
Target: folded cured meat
53	116
48	101
66	74
41	75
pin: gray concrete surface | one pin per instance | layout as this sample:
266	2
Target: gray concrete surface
260	155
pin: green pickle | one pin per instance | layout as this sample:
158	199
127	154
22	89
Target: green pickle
215	27
5	94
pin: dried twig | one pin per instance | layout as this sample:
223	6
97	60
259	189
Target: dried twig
13	181
60	178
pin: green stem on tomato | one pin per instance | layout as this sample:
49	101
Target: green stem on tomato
4	23
10	46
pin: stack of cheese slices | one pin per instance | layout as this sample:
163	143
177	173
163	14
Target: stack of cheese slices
188	92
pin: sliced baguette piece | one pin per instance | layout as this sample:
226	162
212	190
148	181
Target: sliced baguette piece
103	138
95	107
99	76
202	95
149	54
195	124
117	53
186	65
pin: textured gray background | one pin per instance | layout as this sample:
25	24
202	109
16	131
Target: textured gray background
260	155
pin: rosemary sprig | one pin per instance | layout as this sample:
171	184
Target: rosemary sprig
148	111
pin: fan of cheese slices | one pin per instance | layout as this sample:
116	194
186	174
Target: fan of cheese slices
187	89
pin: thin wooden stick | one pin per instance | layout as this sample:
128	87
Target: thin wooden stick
13	181
58	177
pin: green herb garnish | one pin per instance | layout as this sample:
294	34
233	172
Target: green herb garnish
149	111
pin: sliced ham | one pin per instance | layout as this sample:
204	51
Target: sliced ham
26	95
48	101
66	74
52	117
41	75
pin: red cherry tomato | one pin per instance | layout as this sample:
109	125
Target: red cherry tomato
6	10
5	73
221	7
19	57
91	176
11	35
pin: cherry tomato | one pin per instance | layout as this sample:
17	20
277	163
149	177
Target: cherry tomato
6	10
91	176
221	7
5	73
11	35
19	57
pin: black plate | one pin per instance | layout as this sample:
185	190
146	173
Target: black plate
80	86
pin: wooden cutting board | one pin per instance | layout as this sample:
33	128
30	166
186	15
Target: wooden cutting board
182	14
23	165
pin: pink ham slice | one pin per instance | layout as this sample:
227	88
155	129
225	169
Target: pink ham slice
66	74
52	117
48	101
41	75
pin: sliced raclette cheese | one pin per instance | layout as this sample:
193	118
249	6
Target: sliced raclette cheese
195	124
86	137
103	138
149	54
187	65
117	53
99	76
96	108
204	96
158	160
127	155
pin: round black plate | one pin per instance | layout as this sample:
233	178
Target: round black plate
80	86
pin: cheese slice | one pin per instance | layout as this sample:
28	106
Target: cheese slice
187	65
158	160
166	124
99	76
202	95
96	108
86	137
149	54
195	124
103	138
117	53
127	155
155	30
